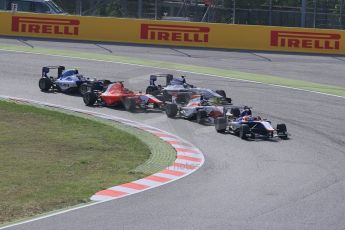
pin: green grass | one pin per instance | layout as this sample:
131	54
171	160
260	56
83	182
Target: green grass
51	160
266	79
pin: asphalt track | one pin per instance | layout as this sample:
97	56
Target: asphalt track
293	184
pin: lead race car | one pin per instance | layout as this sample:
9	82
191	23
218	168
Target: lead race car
173	86
244	125
117	94
68	81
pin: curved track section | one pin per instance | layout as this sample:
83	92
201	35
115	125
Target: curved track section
188	157
293	184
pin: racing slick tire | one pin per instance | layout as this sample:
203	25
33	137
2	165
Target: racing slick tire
182	98
200	116
220	124
153	90
45	84
171	110
244	130
130	104
221	93
166	95
281	130
89	98
83	88
235	112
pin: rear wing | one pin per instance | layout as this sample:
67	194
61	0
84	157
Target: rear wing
168	78
46	69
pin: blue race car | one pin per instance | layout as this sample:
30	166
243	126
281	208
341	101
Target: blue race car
177	86
69	81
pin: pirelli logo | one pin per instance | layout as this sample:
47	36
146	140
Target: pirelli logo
175	33
305	40
39	25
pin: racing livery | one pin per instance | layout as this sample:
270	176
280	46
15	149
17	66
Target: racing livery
247	126
198	108
174	86
117	94
68	81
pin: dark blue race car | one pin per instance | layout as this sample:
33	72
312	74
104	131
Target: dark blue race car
244	125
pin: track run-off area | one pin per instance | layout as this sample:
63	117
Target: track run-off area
285	184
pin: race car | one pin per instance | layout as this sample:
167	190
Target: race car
198	108
174	86
248	126
68	81
117	94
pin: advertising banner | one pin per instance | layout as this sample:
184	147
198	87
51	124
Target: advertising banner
155	32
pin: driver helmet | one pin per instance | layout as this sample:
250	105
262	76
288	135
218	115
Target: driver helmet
183	79
245	118
247	110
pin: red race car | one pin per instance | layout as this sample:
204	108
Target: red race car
117	94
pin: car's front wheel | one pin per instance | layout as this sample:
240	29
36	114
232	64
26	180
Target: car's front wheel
244	130
130	104
89	98
282	131
220	124
171	110
200	116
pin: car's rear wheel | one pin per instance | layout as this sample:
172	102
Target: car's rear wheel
89	98
153	90
220	124
130	104
171	110
45	84
200	116
235	112
244	130
83	88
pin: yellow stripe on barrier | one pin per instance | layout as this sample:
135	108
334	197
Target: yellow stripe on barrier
228	36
